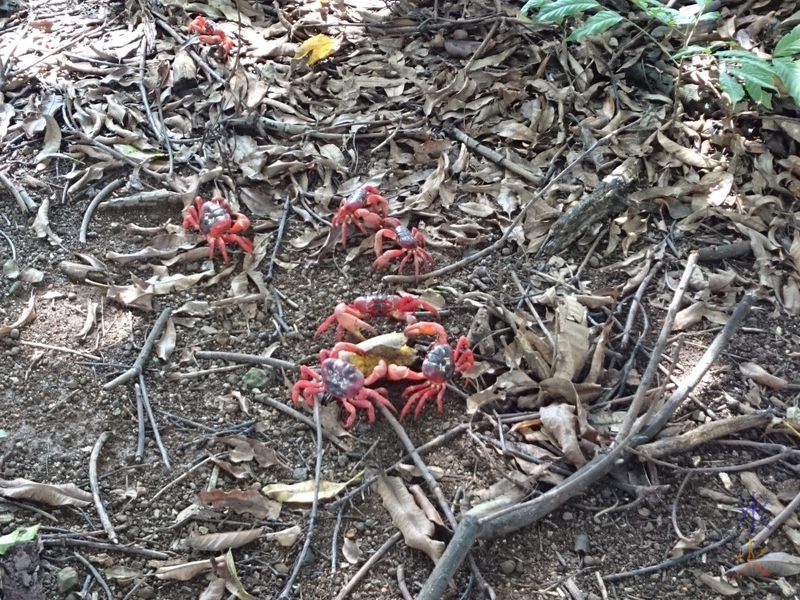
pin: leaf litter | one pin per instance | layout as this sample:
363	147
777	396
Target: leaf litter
302	128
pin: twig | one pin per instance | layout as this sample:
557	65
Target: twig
356	579
161	20
101	195
137	367
389	279
26	205
493	156
251	359
149	197
153	425
29	507
278	238
203	372
674	514
95	486
183	476
60	349
288	410
401	583
636	302
673	562
61	541
312	520
10	245
335	539
140	420
96	574
779	519
655	358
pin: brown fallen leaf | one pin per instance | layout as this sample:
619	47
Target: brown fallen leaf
220	541
28	315
166	345
761	376
409	518
226	570
559	420
67	494
242	501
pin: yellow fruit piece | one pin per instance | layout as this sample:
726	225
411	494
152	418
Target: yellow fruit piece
317	48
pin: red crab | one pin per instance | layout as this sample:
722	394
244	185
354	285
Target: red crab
351	317
365	205
212	34
343	381
440	364
412	247
215	220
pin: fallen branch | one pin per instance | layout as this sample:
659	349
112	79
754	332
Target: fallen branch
101	195
137	367
95	487
142	393
389	279
251	359
288	410
355	579
26	205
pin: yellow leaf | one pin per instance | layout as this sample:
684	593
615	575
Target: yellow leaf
318	47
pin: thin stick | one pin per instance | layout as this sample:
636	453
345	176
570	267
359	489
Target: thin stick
62	541
674	515
356	579
773	526
203	373
60	349
10	245
312	520
101	195
401	583
153	425
137	367
251	359
278	238
183	476
389	279
493	155
96	574
288	410
140	420
95	486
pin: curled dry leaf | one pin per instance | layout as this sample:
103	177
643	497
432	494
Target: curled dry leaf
352	553
67	494
718	585
762	377
238	471
166	344
226	570
28	315
221	541
91	312
303	492
214	591
409	518
559	420
41	224
242	501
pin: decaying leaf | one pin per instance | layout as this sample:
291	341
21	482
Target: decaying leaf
241	471
408	517
67	494
28	315
248	501
317	48
221	541
560	421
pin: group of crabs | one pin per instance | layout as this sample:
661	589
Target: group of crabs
338	375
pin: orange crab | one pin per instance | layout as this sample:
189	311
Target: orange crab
214	219
210	33
364	206
411	247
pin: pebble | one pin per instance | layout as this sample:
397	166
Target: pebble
72	384
146	592
208	330
14	351
66	580
14	334
567	516
281	569
300	474
508	567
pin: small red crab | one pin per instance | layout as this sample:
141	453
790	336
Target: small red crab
365	205
412	247
440	364
351	317
343	381
210	33
215	220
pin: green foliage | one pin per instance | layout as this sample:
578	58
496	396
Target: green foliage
18	536
742	73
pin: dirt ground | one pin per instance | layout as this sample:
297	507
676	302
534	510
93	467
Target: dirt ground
54	407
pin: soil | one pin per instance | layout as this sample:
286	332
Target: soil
54	409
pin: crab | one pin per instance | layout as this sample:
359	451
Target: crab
364	206
411	247
350	317
343	381
214	219
438	367
210	33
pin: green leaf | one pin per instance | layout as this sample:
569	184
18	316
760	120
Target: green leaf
3	433
18	536
530	5
788	45
788	71
690	51
765	77
742	56
561	9
758	93
733	88
597	23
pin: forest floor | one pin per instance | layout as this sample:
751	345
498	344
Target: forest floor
113	117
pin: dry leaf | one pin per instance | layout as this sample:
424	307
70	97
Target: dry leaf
221	541
226	570
773	564
409	518
303	492
91	311
761	376
166	344
28	315
184	571
352	553
54	495
560	421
